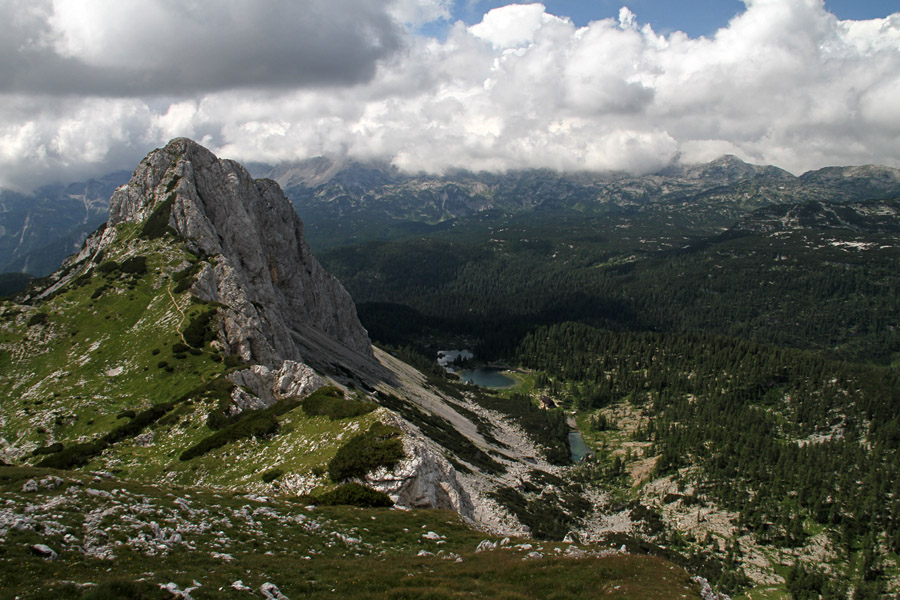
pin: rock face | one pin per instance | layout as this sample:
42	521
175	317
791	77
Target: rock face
425	479
280	301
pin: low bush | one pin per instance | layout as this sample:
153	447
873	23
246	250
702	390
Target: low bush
138	423
185	278
157	224
258	423
73	456
51	449
200	331
133	590
271	475
79	455
330	402
380	446
38	319
136	265
355	494
108	266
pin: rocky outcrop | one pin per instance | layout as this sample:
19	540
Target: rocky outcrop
275	293
424	479
266	386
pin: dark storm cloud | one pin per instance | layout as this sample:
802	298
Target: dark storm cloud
128	48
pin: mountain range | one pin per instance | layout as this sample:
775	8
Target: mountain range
349	202
193	406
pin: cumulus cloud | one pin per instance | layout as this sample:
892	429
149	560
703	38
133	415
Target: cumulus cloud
785	83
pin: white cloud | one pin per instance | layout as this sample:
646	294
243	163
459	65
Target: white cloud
784	83
513	26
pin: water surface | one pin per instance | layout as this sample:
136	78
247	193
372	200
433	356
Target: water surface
577	446
487	377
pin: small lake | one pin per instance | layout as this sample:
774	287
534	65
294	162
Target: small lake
577	446
486	377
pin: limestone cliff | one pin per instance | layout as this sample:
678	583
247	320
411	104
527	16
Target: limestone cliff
279	302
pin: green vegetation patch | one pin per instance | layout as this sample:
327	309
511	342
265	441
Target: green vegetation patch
546	504
136	265
200	329
38	319
380	446
547	427
355	494
258	423
78	455
330	402
157	224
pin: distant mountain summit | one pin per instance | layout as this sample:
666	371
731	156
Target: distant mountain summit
345	201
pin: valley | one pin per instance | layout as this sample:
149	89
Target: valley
724	338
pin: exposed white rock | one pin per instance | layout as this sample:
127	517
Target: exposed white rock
271	592
269	385
275	293
425	479
44	551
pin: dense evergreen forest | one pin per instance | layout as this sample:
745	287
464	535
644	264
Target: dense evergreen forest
792	442
822	290
760	362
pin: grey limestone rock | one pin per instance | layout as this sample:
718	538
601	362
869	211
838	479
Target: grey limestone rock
423	479
275	293
44	551
267	386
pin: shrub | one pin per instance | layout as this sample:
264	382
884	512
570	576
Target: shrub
73	456
183	286
157	224
199	330
185	277
137	423
179	347
329	401
356	494
108	266
133	590
51	449
136	265
38	319
172	183
257	423
380	446
271	475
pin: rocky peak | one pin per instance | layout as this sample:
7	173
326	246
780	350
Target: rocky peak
281	304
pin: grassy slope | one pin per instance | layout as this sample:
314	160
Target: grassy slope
304	551
98	353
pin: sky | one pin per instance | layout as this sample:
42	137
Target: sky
90	86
